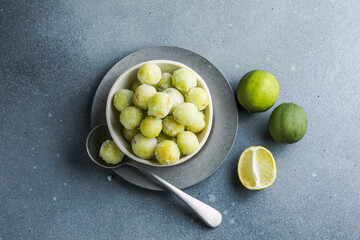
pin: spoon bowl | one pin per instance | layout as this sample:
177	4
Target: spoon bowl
95	139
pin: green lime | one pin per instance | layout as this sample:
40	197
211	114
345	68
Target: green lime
257	91
288	123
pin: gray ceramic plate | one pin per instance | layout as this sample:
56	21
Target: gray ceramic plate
224	128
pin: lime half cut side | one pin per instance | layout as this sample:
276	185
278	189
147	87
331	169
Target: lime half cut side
256	168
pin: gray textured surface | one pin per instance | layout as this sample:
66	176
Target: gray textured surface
53	56
224	126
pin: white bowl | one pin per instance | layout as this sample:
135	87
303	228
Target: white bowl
112	115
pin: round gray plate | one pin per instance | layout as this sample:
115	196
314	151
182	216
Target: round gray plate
224	128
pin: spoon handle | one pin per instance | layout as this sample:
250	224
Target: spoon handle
209	215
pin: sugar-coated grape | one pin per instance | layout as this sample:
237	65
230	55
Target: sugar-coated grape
198	97
129	134
135	85
159	105
198	125
184	79
142	96
165	82
149	73
150	127
163	137
187	142
176	97
185	113
167	152
171	127
143	147
123	98
110	153
131	117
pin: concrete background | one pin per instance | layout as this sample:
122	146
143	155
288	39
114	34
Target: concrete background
53	56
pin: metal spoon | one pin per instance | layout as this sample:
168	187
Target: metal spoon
101	133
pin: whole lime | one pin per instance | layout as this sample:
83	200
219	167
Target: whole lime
257	91
288	123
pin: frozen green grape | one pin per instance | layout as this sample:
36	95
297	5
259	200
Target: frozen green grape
198	97
172	128
129	134
135	85
163	137
187	142
159	105
149	73
110	153
184	79
165	82
167	152
131	117
185	113
142	96
143	147
198	125
176	97
123	98
150	127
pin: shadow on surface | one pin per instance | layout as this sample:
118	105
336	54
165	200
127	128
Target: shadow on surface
266	133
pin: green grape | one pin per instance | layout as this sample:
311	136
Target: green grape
123	98
149	73
172	128
135	85
150	127
167	152
131	117
143	147
129	134
142	96
198	97
176	97
187	142
165	82
198	125
185	113
184	79
110	153
159	105
163	137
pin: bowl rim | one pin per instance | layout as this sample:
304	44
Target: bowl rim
114	136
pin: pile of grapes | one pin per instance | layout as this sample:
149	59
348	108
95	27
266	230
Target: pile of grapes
162	113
